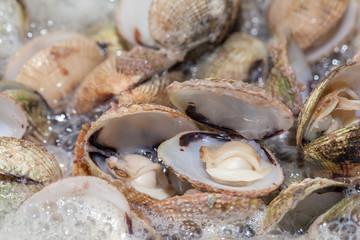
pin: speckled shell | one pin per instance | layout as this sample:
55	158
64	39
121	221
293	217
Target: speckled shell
288	199
229	105
308	20
117	74
27	161
335	154
64	65
179	26
235	59
88	144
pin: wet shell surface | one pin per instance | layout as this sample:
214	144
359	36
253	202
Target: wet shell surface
231	106
56	70
126	130
234	170
236	59
294	209
328	127
13	120
317	26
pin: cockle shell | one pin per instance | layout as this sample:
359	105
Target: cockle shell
231	106
128	129
331	151
303	202
56	70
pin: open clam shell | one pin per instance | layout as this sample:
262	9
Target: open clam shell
296	208
328	126
182	154
231	106
128	129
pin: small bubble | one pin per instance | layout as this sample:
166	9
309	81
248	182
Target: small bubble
248	231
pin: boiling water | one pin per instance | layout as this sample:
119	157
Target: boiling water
41	221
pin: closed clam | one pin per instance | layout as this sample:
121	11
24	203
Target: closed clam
328	127
317	26
58	68
25	168
173	26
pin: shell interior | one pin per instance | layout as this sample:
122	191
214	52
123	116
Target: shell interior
182	154
251	114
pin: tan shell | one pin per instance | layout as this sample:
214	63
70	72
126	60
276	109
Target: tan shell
308	20
231	106
117	74
28	161
179	26
125	128
334	154
152	91
235	59
64	64
293	195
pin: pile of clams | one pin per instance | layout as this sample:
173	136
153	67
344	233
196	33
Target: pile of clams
221	119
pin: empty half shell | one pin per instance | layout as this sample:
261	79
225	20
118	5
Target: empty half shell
294	209
126	137
328	127
216	163
231	106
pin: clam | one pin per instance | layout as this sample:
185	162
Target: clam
173	26
79	207
296	208
57	69
339	221
38	112
216	163
13	121
328	127
115	147
139	74
235	59
25	168
317	26
231	106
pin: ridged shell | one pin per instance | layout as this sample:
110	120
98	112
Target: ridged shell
235	59
336	153
179	26
27	161
117	74
231	106
152	91
308	20
287	201
128	129
182	155
64	65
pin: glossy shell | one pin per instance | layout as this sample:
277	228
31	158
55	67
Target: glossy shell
182	155
128	129
231	106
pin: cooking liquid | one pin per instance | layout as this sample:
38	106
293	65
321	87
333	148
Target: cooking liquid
222	226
